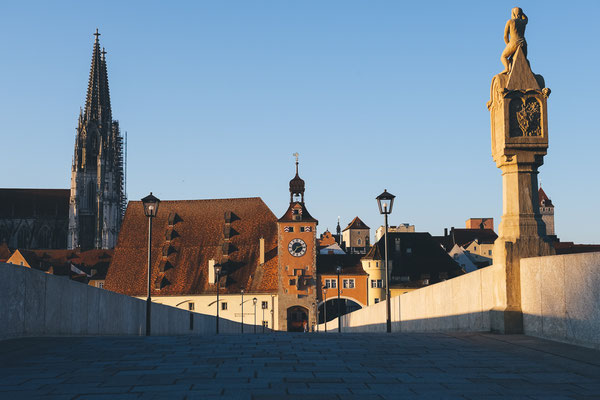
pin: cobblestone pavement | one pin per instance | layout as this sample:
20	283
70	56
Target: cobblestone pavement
298	366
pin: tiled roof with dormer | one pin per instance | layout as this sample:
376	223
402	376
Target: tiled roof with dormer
186	235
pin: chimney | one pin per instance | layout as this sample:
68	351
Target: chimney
262	251
445	231
211	272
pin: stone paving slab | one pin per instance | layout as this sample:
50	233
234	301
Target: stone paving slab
298	366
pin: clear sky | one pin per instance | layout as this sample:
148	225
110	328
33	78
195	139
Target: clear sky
215	97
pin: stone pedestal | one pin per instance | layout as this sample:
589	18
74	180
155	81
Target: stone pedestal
518	108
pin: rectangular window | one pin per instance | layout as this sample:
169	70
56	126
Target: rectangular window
331	283
408	250
377	283
265	324
290	229
301	229
191	306
397	244
376	301
490	252
223	306
292	282
100	285
265	305
298	272
348	284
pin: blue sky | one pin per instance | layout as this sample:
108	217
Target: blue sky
216	96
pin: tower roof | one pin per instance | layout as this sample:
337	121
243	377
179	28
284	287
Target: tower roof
297	184
97	103
356	223
544	199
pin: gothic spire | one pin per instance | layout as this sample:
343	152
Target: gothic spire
97	105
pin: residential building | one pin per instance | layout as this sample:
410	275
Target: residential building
88	267
355	237
415	260
393	228
352	285
189	238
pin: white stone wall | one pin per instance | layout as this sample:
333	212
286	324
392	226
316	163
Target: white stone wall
560	298
34	303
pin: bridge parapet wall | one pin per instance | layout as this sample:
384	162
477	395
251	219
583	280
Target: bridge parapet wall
33	303
560	298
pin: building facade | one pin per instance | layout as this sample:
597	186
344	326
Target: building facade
34	218
355	237
97	198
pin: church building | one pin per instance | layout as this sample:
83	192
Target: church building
97	200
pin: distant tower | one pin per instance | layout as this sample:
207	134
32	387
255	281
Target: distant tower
338	231
297	250
547	212
97	177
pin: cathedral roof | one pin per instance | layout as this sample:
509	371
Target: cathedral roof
544	199
356	223
186	235
34	203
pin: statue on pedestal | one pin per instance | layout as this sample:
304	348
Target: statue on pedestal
514	37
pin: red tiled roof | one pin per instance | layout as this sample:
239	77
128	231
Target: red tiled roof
59	262
325	240
305	215
5	252
187	234
356	223
544	198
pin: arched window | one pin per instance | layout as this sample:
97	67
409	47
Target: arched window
43	238
23	238
91	196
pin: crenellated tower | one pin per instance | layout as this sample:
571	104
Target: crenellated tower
98	197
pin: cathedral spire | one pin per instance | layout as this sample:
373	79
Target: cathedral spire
97	105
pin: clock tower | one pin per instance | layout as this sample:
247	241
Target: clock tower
296	246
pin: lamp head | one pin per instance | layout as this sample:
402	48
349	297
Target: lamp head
150	205
385	201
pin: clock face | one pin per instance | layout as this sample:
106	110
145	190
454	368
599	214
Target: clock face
297	247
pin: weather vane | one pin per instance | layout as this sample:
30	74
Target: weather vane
296	155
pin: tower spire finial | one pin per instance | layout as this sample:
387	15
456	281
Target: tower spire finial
296	155
97	34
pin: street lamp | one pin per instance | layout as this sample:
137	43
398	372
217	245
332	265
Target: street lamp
242	310
325	307
385	201
316	316
150	209
218	270
263	315
338	269
254	302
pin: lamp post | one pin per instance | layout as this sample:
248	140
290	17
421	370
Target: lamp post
385	201
316	316
338	269
254	302
242	310
325	307
218	270
150	209
263	316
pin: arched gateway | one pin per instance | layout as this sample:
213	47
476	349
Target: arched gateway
296	316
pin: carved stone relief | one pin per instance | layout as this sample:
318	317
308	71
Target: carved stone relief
525	117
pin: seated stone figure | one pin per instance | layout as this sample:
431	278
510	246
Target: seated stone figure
514	37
